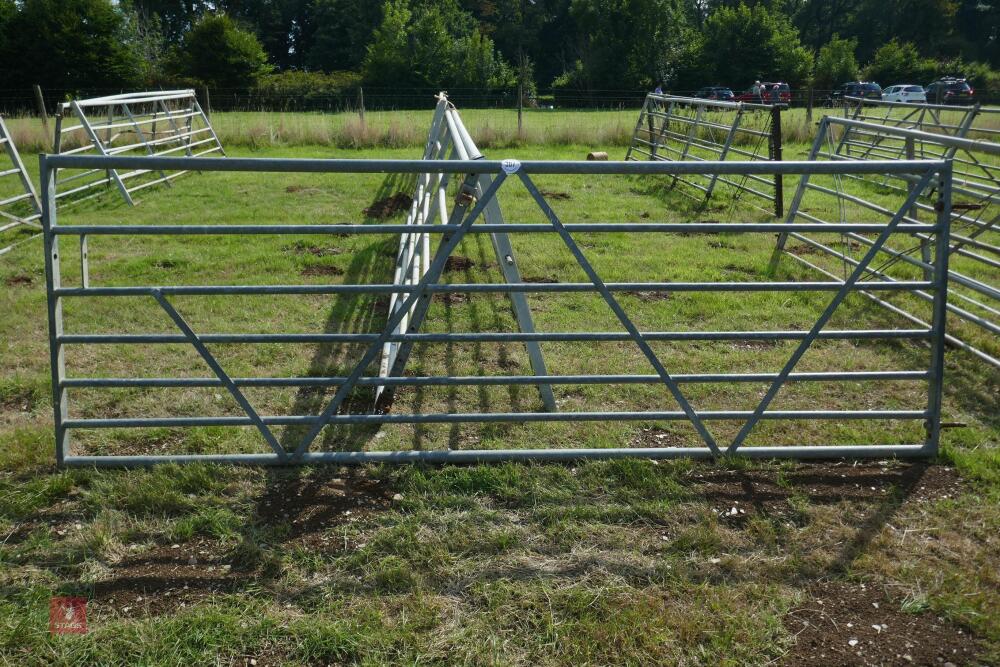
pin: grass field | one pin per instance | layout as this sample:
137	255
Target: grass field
624	562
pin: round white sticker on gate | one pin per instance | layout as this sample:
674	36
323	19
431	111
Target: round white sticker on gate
510	166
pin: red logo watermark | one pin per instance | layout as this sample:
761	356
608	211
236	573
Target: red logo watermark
68	616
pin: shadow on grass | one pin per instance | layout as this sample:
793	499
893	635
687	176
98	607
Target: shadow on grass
350	313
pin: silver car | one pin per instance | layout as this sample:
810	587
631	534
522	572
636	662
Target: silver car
904	92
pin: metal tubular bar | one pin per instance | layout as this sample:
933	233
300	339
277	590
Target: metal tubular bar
982	186
496	380
482	337
446	288
17	216
500	455
103	151
140	109
209	358
448	245
847	287
318	422
445	230
419	279
619	312
54	307
566	167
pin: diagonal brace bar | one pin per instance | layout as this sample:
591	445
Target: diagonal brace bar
419	292
841	294
620	313
222	375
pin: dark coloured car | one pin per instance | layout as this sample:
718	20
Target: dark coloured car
719	93
867	90
949	90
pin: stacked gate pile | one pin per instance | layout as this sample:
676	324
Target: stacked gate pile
19	205
157	123
974	252
449	138
672	128
973	121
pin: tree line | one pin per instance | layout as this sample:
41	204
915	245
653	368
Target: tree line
583	47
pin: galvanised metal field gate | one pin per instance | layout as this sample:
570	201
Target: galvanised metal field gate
19	205
466	221
154	123
974	251
972	121
673	128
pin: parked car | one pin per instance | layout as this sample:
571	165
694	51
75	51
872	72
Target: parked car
949	90
720	93
904	92
767	94
862	89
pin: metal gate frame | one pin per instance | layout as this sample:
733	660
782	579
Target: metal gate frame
974	219
448	136
184	128
923	116
10	221
451	234
703	138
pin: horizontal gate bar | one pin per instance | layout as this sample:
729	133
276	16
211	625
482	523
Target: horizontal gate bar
489	336
442	456
194	290
623	227
364	166
477	380
478	417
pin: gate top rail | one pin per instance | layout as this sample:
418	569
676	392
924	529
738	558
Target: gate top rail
720	104
981	145
129	98
919	105
362	166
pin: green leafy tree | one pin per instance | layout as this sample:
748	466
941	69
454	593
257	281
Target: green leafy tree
746	43
899	62
835	63
68	45
220	54
608	54
342	30
432	45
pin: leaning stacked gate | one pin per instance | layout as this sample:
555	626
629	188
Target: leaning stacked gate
439	219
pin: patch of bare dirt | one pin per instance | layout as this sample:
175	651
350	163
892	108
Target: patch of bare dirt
539	279
390	206
321	270
802	250
302	189
658	437
552	194
19	400
650	296
454	297
168	577
19	280
302	248
767	492
307	507
843	623
458	263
